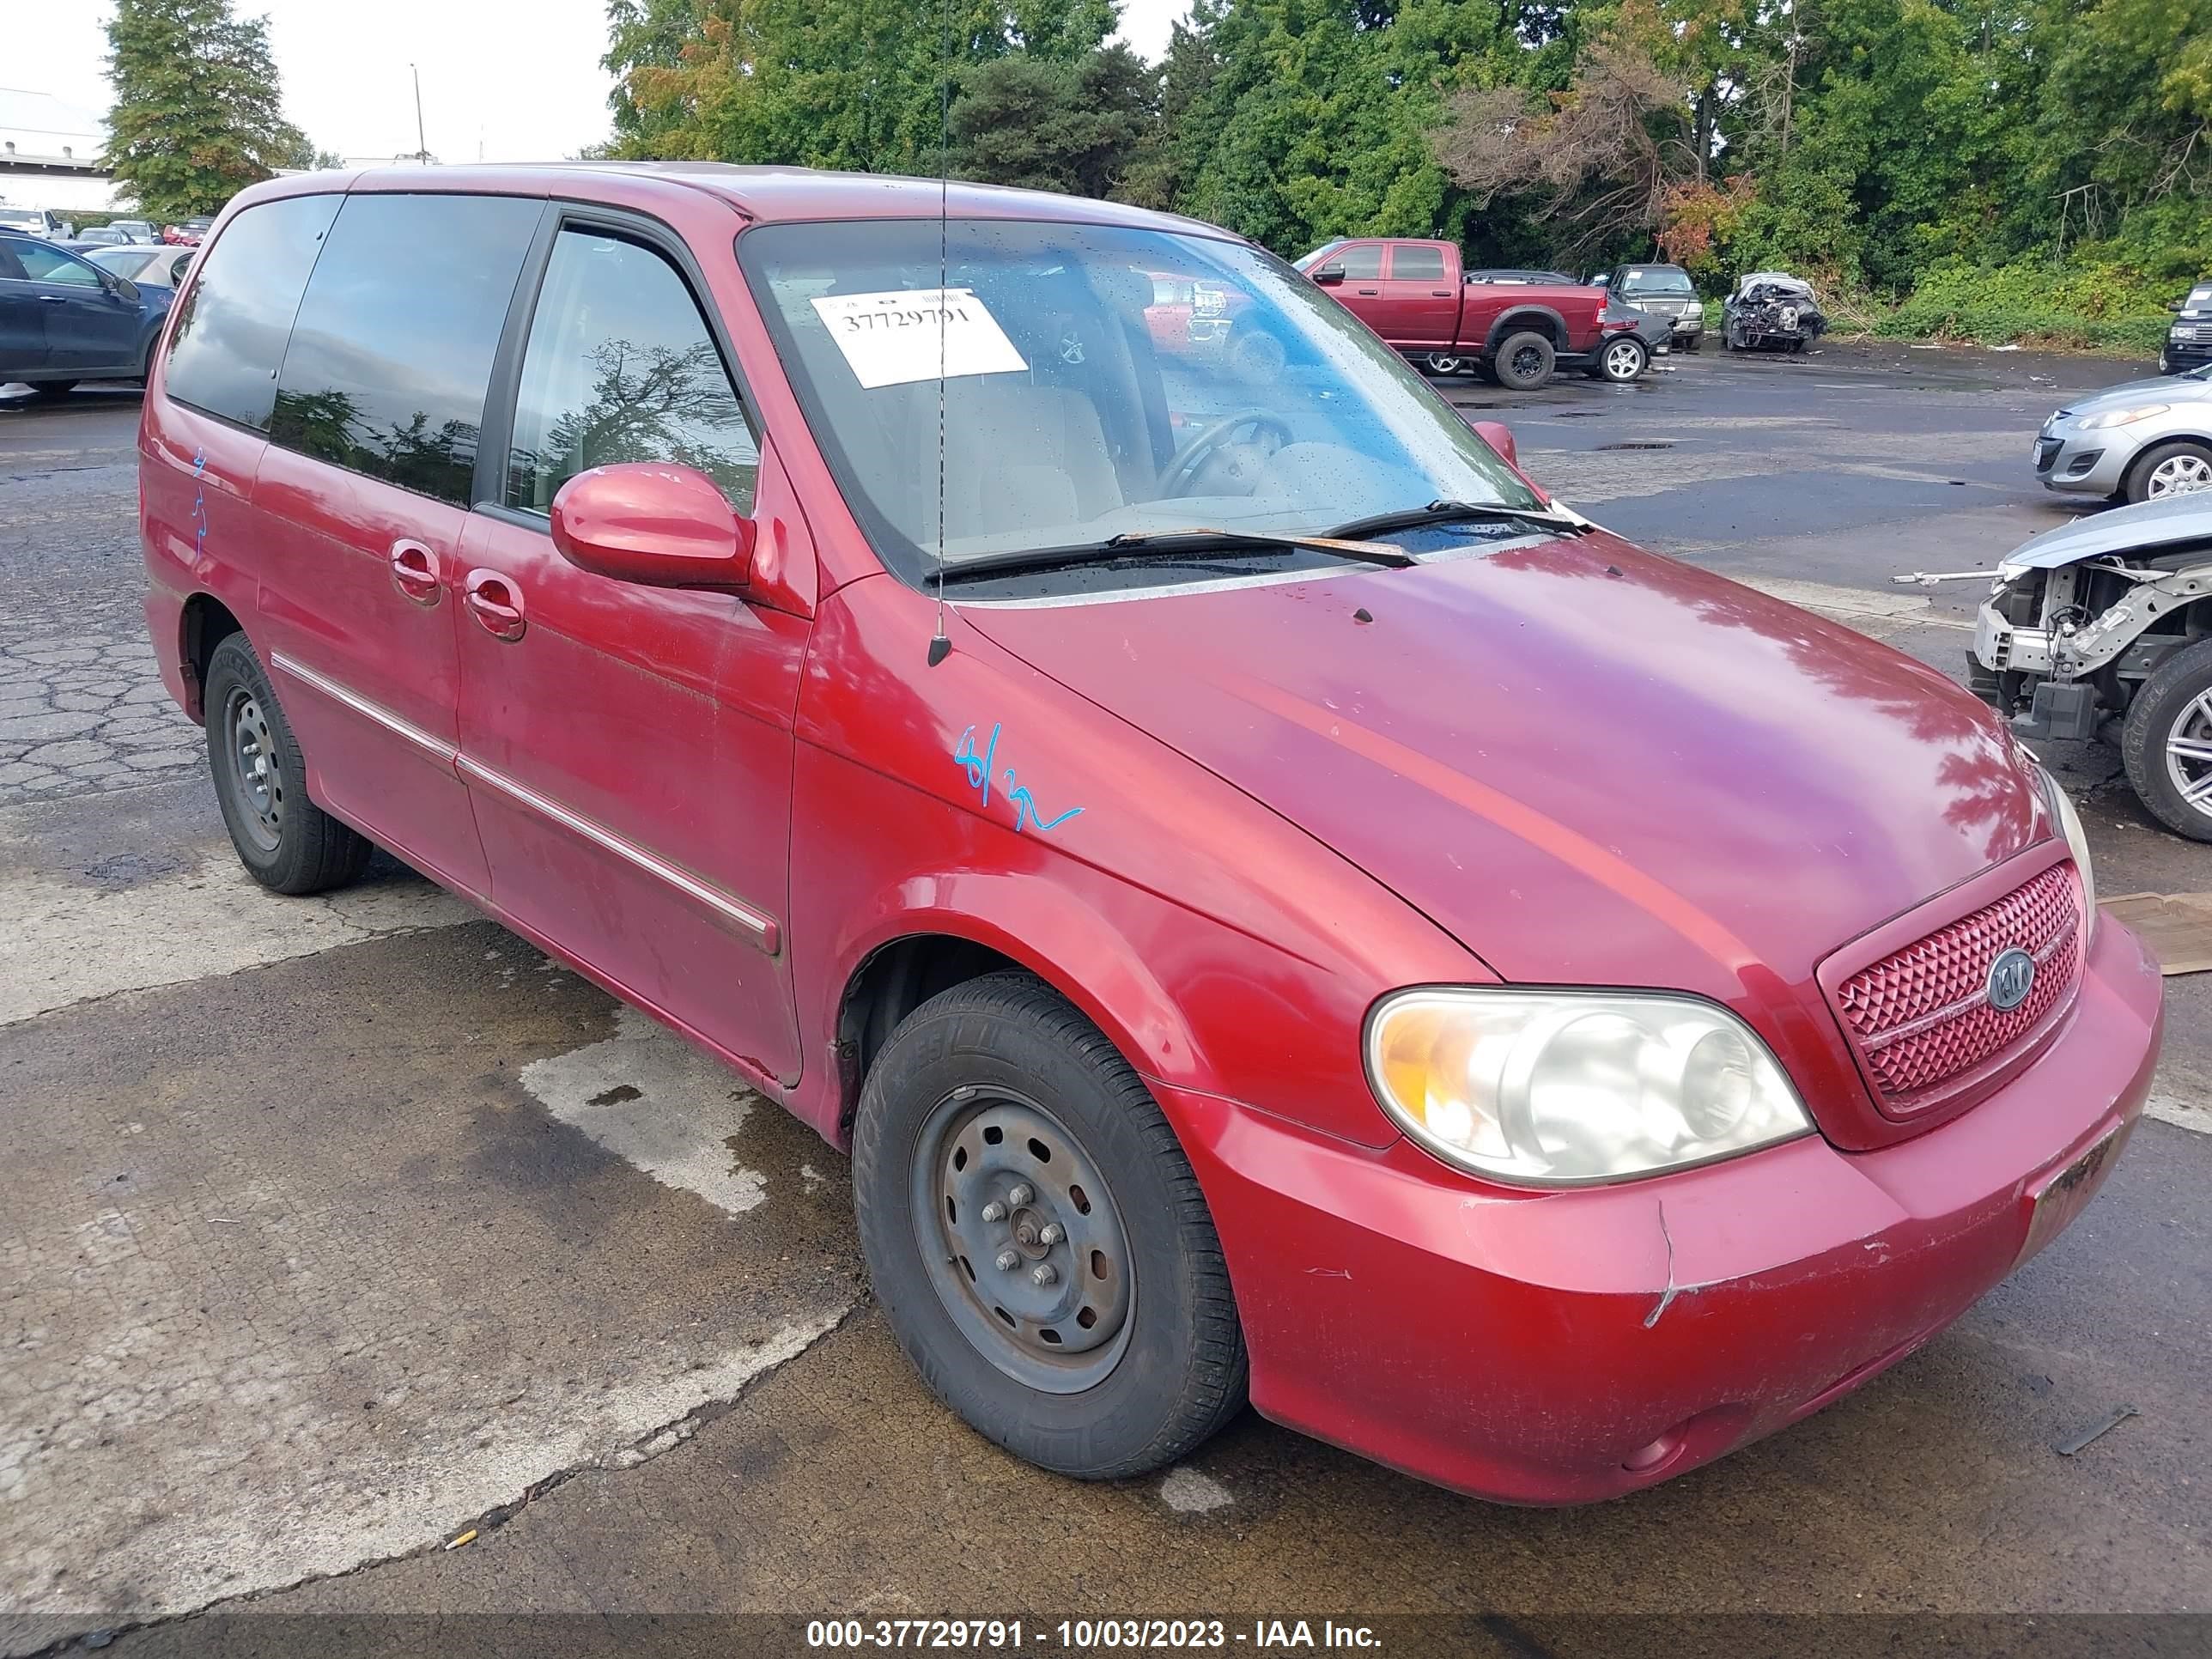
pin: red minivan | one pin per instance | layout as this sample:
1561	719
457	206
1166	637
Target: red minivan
1275	907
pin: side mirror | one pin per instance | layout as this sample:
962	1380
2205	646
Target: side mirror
121	287
1329	276
1499	438
2175	308
659	525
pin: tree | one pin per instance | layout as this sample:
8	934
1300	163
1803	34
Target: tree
196	115
1066	125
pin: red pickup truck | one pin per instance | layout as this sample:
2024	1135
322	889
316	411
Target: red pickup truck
1516	325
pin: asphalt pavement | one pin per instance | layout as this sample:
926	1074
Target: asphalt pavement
336	1231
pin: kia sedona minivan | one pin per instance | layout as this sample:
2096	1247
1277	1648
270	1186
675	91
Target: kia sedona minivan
1274	907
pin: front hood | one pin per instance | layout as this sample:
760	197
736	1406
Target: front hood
1589	764
2168	389
2147	528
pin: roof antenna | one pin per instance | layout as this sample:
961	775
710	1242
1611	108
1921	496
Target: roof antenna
939	646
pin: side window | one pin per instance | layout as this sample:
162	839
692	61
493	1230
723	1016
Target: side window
622	367
1411	263
50	264
1362	262
392	349
229	337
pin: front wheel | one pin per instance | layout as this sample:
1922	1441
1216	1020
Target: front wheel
1443	362
2172	468
1623	361
2166	742
286	842
1523	361
1036	1237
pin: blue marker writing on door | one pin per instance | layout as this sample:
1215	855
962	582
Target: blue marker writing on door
978	769
200	503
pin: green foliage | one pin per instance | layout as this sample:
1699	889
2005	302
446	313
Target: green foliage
1072	125
2091	303
196	115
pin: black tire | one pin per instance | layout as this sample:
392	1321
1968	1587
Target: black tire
2174	703
52	388
2145	479
1693	342
1256	352
293	846
1523	361
1174	1370
1616	372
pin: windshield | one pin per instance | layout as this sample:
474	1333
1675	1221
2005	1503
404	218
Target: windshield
1085	397
20	216
2200	298
1642	281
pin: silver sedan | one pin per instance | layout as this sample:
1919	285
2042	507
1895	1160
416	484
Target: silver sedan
2135	442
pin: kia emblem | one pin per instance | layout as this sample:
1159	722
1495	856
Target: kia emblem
2012	976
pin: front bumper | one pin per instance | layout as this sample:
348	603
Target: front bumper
1566	1346
2089	463
2179	356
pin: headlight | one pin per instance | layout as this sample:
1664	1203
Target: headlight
1555	1088
2077	844
2122	417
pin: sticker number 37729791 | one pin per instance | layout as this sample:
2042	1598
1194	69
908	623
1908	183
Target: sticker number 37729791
979	770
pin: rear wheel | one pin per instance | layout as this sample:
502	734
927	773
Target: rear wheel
1523	361
1623	361
1443	362
1037	1238
1256	353
2166	742
2172	468
286	842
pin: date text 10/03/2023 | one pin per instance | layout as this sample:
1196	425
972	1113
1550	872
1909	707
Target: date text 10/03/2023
979	770
1266	1636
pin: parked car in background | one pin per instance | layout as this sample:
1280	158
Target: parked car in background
1417	296
100	236
187	234
163	266
1771	309
36	221
2189	338
1664	291
2133	442
64	320
1632	337
2103	628
1153	812
136	230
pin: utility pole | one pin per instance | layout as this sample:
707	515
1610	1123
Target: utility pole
421	144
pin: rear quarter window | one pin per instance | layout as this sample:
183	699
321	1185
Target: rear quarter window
229	336
392	352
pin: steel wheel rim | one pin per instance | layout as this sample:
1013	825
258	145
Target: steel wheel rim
255	782
2179	474
1622	361
978	1200
2189	754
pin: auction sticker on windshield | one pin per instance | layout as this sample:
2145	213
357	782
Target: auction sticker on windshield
916	334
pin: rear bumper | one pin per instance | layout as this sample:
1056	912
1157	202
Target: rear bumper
1574	1346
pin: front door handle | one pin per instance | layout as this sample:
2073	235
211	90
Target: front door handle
496	603
415	571
1440	294
1367	291
51	300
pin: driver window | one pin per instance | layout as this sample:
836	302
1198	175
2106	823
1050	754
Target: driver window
1362	263
46	264
621	366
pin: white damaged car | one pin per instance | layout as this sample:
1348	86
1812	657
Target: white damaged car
2103	628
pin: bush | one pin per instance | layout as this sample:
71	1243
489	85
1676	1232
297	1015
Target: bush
2100	305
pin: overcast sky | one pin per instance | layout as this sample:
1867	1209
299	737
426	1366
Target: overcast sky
513	80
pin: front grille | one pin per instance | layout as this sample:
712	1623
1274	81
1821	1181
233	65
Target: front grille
1922	1018
2046	452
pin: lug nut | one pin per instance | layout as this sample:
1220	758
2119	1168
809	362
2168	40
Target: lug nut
1009	1259
994	1211
1051	1235
1020	1196
1043	1273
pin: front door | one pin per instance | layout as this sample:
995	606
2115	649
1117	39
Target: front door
89	328
1419	305
1361	290
630	748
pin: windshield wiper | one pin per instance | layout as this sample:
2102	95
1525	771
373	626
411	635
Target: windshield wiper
1413	517
1171	543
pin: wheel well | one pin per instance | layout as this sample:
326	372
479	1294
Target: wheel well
208	622
897	979
1533	322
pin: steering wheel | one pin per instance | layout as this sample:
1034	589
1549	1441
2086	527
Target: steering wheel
1208	438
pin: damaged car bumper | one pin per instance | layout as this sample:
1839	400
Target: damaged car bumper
1655	1324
